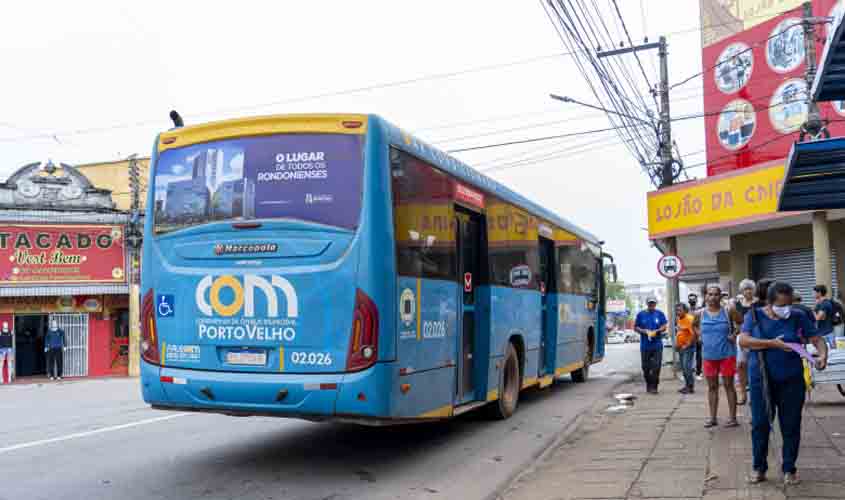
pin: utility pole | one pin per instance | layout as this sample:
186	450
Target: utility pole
133	237
814	127
667	178
667	174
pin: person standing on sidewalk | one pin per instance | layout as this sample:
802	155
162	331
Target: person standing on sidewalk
776	374
692	299
740	308
824	314
718	349
650	324
54	346
685	341
838	316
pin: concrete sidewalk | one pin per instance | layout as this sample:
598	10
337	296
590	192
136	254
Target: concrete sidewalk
659	448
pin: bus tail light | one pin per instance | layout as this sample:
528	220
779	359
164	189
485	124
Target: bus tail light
149	338
363	343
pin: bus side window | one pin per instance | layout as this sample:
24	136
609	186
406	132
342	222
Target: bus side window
514	248
423	218
566	276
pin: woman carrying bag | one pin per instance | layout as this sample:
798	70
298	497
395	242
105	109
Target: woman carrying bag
776	376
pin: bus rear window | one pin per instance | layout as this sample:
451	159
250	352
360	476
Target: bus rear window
309	177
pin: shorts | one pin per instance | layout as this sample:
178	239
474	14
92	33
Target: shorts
715	367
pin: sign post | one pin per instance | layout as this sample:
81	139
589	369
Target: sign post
671	266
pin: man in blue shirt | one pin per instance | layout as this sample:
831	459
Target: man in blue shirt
776	376
651	324
824	314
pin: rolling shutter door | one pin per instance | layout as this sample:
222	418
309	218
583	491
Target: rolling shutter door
795	267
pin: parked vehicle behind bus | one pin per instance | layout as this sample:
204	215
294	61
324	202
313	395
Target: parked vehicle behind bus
335	267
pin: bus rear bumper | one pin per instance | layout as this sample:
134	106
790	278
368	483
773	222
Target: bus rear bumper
364	394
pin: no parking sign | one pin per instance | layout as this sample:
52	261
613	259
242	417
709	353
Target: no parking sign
670	266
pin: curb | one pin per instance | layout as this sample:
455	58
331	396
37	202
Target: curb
552	443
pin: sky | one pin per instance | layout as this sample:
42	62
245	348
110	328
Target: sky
95	81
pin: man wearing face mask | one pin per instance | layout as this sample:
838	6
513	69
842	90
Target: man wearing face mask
776	376
54	346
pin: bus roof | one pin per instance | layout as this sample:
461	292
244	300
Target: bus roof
350	123
473	177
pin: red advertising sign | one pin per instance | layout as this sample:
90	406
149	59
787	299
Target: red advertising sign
469	196
46	254
755	95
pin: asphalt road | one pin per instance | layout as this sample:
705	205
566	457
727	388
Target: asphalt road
95	439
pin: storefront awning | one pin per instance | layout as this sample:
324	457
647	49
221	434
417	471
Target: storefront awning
53	290
815	176
829	84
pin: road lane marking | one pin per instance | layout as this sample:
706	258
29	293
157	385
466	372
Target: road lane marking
101	430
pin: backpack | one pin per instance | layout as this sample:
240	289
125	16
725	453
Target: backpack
838	316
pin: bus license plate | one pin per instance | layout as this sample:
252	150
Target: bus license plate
246	358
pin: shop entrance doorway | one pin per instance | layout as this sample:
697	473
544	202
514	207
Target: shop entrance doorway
76	340
30	330
29	344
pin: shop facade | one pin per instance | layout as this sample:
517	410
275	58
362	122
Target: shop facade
733	225
728	228
63	258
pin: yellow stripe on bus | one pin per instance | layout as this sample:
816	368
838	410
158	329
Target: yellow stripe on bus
563	370
528	382
261	125
493	395
163	354
443	411
281	359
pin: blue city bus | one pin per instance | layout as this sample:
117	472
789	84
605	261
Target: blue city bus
335	267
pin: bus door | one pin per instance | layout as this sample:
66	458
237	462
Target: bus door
601	311
470	230
548	294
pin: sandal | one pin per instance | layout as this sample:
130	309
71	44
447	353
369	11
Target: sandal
711	423
731	423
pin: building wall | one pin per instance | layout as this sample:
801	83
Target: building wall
743	246
114	176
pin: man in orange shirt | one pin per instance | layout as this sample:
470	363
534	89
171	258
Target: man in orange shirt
685	344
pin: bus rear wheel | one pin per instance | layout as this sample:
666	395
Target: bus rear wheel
582	374
509	386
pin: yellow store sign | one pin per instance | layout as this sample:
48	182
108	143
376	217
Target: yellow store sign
726	200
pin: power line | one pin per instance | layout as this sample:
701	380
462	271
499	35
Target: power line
579	32
742	151
732	23
631	43
756	109
750	48
514	129
556	152
575	150
355	90
526	141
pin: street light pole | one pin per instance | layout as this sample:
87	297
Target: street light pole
667	162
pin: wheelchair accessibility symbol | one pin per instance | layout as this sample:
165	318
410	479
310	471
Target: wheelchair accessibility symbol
165	306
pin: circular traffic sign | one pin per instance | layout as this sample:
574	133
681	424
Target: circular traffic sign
670	266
